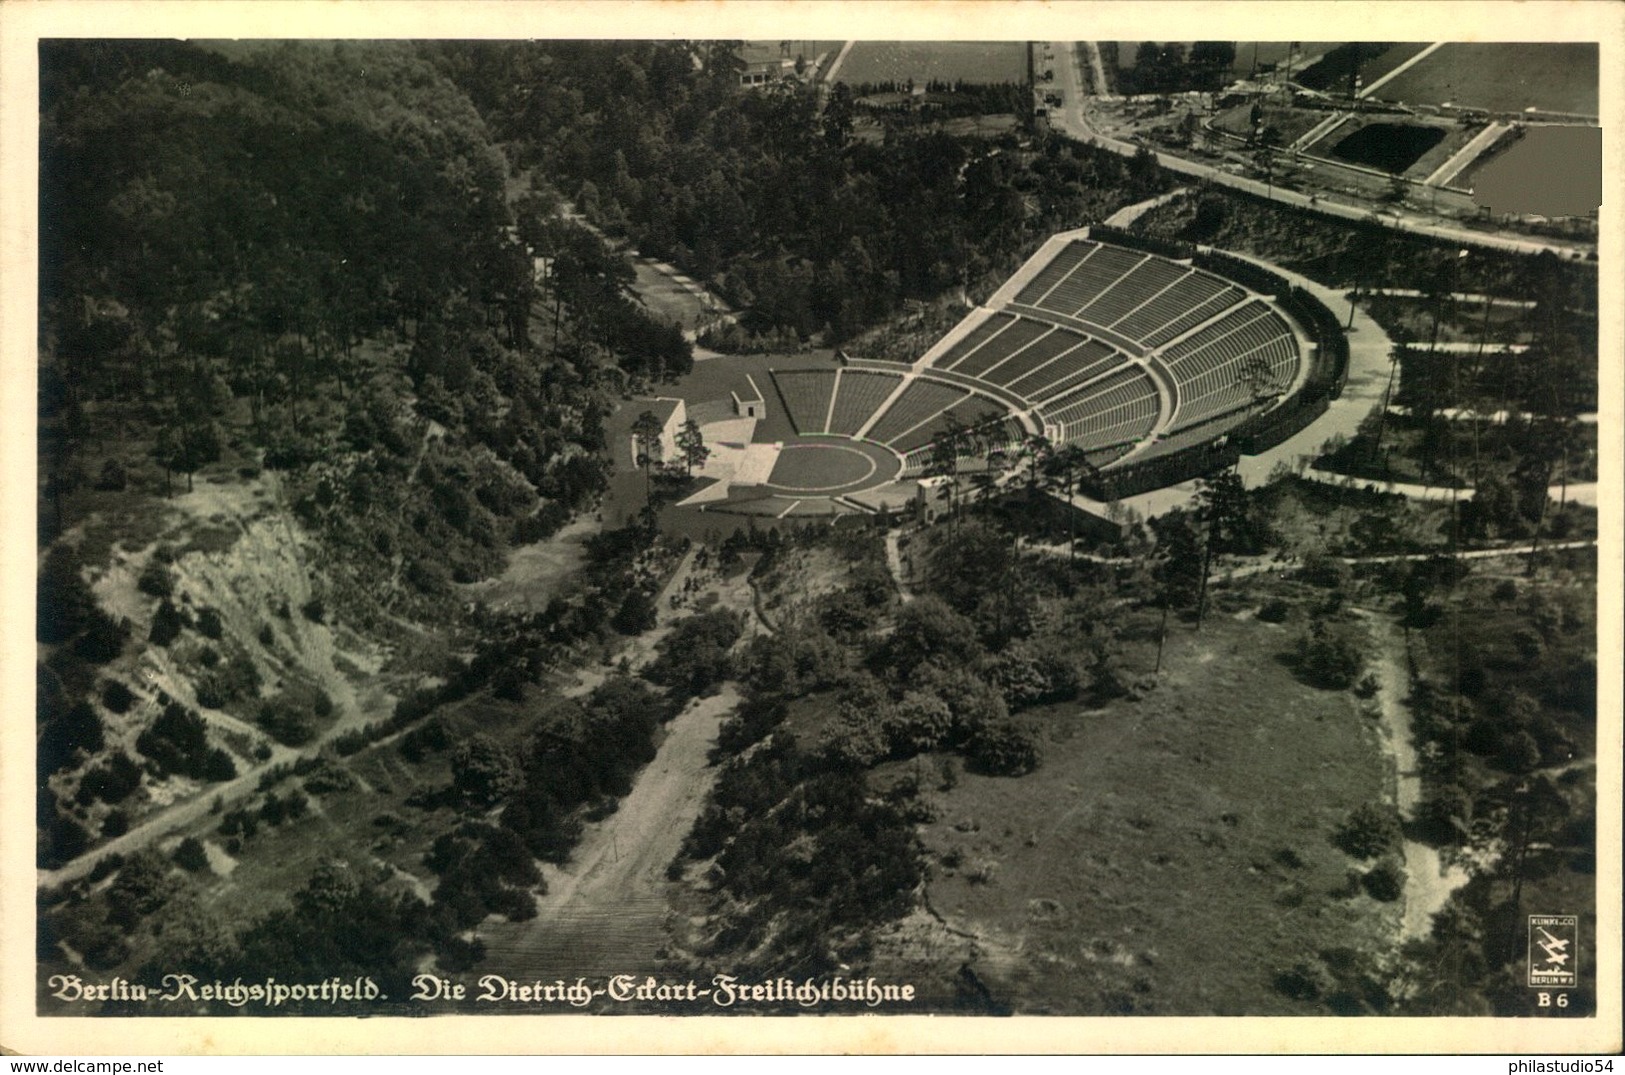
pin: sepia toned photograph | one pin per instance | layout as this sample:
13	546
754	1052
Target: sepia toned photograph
730	525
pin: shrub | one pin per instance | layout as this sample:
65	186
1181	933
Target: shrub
1386	880
1275	611
636	614
79	728
190	855
103	639
428	576
156	579
1330	656
1519	753
113	478
1004	748
116	824
315	610
167	623
1324	571
229	681
1369	831
1305	980
286	721
484	771
113	781
209	624
918	723
1445	813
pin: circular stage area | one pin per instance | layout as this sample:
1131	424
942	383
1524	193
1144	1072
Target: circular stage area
831	466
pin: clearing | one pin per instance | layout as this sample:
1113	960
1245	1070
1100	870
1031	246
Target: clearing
1172	854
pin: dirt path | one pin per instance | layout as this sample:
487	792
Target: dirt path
605	912
1430	881
894	561
626	855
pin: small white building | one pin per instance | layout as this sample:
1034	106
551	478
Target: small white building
752	405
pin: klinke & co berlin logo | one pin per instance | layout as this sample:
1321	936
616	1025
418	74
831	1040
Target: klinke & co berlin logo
1554	942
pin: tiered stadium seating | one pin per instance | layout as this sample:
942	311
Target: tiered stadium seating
806	396
1086	363
1191	291
1098	397
1101	270
974	339
971	412
1148	278
1231	322
920	401
1043	351
1000	347
859	394
1011	435
1063	263
1250	332
1212	307
1224	387
1123	406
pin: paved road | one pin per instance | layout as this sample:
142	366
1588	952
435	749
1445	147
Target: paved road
1073	119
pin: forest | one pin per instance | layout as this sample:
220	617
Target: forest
768	196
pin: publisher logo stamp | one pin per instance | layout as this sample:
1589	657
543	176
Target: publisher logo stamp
1554	943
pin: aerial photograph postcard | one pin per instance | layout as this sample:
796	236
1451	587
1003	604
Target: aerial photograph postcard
741	525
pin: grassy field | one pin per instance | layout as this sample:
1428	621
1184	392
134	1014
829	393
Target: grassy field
944	61
1502	77
1171	855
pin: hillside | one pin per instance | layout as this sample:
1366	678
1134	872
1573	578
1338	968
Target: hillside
300	389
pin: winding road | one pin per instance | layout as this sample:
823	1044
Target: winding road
1072	118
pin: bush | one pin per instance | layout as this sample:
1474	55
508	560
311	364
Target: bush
636	614
1324	571
113	781
227	682
79	728
1275	611
116	824
113	478
695	655
1305	980
156	580
1369	831
209	624
428	576
286	721
1445	813
1386	880
315	610
190	855
918	723
1004	748
167	623
1519	753
1330	656
103	639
